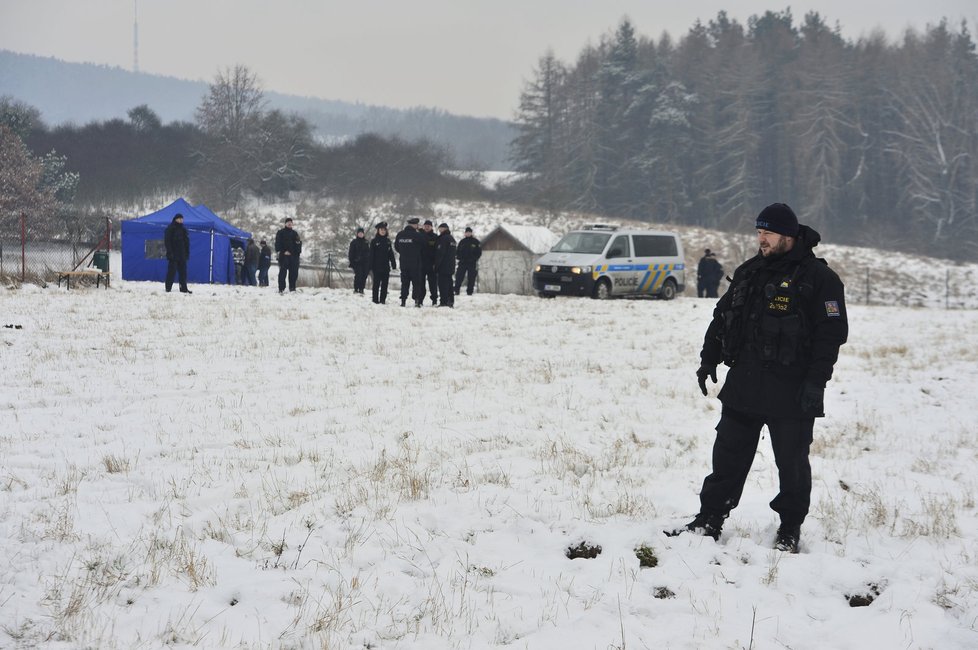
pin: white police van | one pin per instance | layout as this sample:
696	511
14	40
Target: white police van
602	261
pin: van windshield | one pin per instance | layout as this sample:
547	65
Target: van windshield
582	242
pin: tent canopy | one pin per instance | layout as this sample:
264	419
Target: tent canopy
143	254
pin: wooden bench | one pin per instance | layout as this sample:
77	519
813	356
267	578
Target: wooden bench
98	275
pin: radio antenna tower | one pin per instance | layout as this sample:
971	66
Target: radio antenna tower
135	35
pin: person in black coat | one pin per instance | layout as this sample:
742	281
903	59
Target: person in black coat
429	275
409	243
468	253
709	272
778	327
381	262
176	241
359	261
288	245
445	265
264	263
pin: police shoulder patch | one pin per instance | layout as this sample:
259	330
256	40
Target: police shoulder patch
832	308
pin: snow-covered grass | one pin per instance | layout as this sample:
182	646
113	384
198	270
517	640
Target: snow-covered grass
241	469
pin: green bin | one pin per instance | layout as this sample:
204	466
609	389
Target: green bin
100	260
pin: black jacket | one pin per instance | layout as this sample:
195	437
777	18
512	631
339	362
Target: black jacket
359	253
287	239
469	250
265	257
709	270
252	253
382	255
779	325
176	239
445	253
409	244
429	244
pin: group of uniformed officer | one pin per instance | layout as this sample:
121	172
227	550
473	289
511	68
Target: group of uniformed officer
428	262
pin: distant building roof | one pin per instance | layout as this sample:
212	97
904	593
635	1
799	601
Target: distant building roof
535	239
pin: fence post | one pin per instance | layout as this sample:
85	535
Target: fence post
329	270
23	247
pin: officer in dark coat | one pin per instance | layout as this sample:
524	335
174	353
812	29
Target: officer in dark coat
709	272
288	245
264	263
778	327
409	244
359	261
445	265
429	275
381	262
176	241
468	253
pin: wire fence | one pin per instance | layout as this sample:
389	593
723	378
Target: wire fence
38	250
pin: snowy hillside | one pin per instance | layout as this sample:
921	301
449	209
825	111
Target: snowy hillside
872	276
239	469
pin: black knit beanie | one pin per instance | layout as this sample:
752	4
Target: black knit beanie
779	218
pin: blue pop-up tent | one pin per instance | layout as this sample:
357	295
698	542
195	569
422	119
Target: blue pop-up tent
144	256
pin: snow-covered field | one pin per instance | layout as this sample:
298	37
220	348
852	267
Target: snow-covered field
240	469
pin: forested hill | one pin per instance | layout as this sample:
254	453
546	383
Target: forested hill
872	141
84	92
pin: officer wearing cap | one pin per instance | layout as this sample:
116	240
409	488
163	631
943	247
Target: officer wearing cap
408	244
468	253
429	276
359	256
778	328
381	262
445	265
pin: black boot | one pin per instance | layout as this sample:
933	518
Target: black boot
788	538
706	525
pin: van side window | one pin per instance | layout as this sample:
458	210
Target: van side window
655	246
620	247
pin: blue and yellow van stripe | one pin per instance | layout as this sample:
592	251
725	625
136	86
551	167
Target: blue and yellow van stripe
655	274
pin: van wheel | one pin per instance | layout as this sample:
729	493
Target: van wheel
544	294
668	290
602	289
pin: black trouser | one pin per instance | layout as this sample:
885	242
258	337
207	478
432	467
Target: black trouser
411	282
360	278
263	276
176	268
429	277
712	289
468	271
379	289
445	288
733	452
288	265
701	290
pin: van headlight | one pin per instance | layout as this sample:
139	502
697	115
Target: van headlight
537	268
577	270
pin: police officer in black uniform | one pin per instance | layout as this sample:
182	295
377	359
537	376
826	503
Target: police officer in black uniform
429	275
445	265
176	242
778	327
409	243
381	262
288	245
359	261
468	253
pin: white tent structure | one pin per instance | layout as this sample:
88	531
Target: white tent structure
508	255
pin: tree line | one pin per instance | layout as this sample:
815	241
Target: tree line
870	141
235	147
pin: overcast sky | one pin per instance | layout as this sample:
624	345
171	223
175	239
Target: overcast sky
466	56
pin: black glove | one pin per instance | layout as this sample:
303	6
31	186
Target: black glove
811	399
704	372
